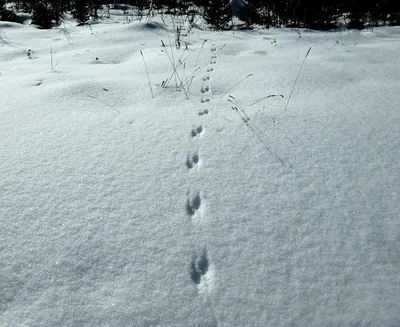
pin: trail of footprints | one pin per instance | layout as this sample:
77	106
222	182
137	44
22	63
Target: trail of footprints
200	263
206	88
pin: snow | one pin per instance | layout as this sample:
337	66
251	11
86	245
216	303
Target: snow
119	209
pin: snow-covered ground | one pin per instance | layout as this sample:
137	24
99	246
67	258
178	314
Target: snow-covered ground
120	209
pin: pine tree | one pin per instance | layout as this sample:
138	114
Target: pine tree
218	13
83	10
357	10
318	14
249	13
43	14
391	12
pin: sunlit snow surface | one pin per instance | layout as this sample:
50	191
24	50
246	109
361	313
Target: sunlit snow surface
119	209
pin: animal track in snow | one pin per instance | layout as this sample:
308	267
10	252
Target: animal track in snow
205	88
204	112
193	204
205	99
213	61
210	69
213	48
196	131
199	267
207	78
214	56
192	160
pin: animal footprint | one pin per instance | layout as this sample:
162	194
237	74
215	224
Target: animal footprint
210	69
206	78
193	205
205	88
204	112
199	267
213	61
213	48
214	56
192	160
205	99
197	131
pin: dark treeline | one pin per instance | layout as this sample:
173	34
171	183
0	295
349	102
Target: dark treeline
321	14
48	13
316	14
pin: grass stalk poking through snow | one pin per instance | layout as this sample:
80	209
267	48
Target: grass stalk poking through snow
66	33
148	76
175	71
298	74
195	64
241	112
172	60
51	58
93	97
298	40
183	79
199	69
236	85
263	98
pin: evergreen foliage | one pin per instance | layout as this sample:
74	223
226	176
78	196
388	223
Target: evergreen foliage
43	14
7	15
316	14
83	10
250	13
218	13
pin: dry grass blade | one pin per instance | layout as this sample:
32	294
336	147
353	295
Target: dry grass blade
148	76
93	97
246	119
298	74
239	108
195	64
51	58
263	98
236	84
190	78
66	34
